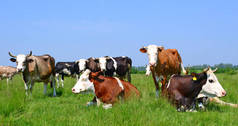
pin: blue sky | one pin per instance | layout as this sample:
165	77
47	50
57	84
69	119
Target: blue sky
203	31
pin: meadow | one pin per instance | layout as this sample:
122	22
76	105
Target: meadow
70	109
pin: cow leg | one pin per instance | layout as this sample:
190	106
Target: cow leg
54	91
190	105
45	88
77	77
164	85
94	101
98	102
7	81
62	81
57	79
217	100
31	86
156	84
26	88
201	101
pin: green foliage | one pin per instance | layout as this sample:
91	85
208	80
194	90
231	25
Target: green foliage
138	70
222	68
70	109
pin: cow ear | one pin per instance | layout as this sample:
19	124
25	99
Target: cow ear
13	59
214	70
143	50
160	48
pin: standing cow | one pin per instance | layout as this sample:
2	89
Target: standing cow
65	69
72	69
120	66
35	69
110	66
163	63
7	72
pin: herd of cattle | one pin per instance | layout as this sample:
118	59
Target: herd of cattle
105	77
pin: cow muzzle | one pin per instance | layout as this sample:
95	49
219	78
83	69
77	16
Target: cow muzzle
153	64
223	93
19	69
74	91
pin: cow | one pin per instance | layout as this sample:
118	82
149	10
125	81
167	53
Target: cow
204	98
110	66
163	63
35	69
7	72
93	64
65	69
120	66
107	90
183	90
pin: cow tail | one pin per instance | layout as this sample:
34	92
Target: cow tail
53	71
181	65
129	70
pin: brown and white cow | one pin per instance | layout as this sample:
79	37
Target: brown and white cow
212	86
35	69
183	90
7	72
163	62
107	90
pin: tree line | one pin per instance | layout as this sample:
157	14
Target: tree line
222	68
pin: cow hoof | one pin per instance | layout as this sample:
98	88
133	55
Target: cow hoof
201	106
107	106
90	103
191	110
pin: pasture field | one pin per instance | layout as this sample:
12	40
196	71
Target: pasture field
70	109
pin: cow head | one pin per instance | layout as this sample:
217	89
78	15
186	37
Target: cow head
212	88
21	61
83	84
152	51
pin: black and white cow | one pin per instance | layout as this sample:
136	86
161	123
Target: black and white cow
64	69
72	69
119	66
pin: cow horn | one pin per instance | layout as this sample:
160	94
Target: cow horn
144	47
206	69
11	55
214	70
29	54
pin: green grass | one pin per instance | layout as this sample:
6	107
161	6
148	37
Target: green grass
70	109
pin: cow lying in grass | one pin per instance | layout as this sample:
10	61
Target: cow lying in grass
107	90
183	90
